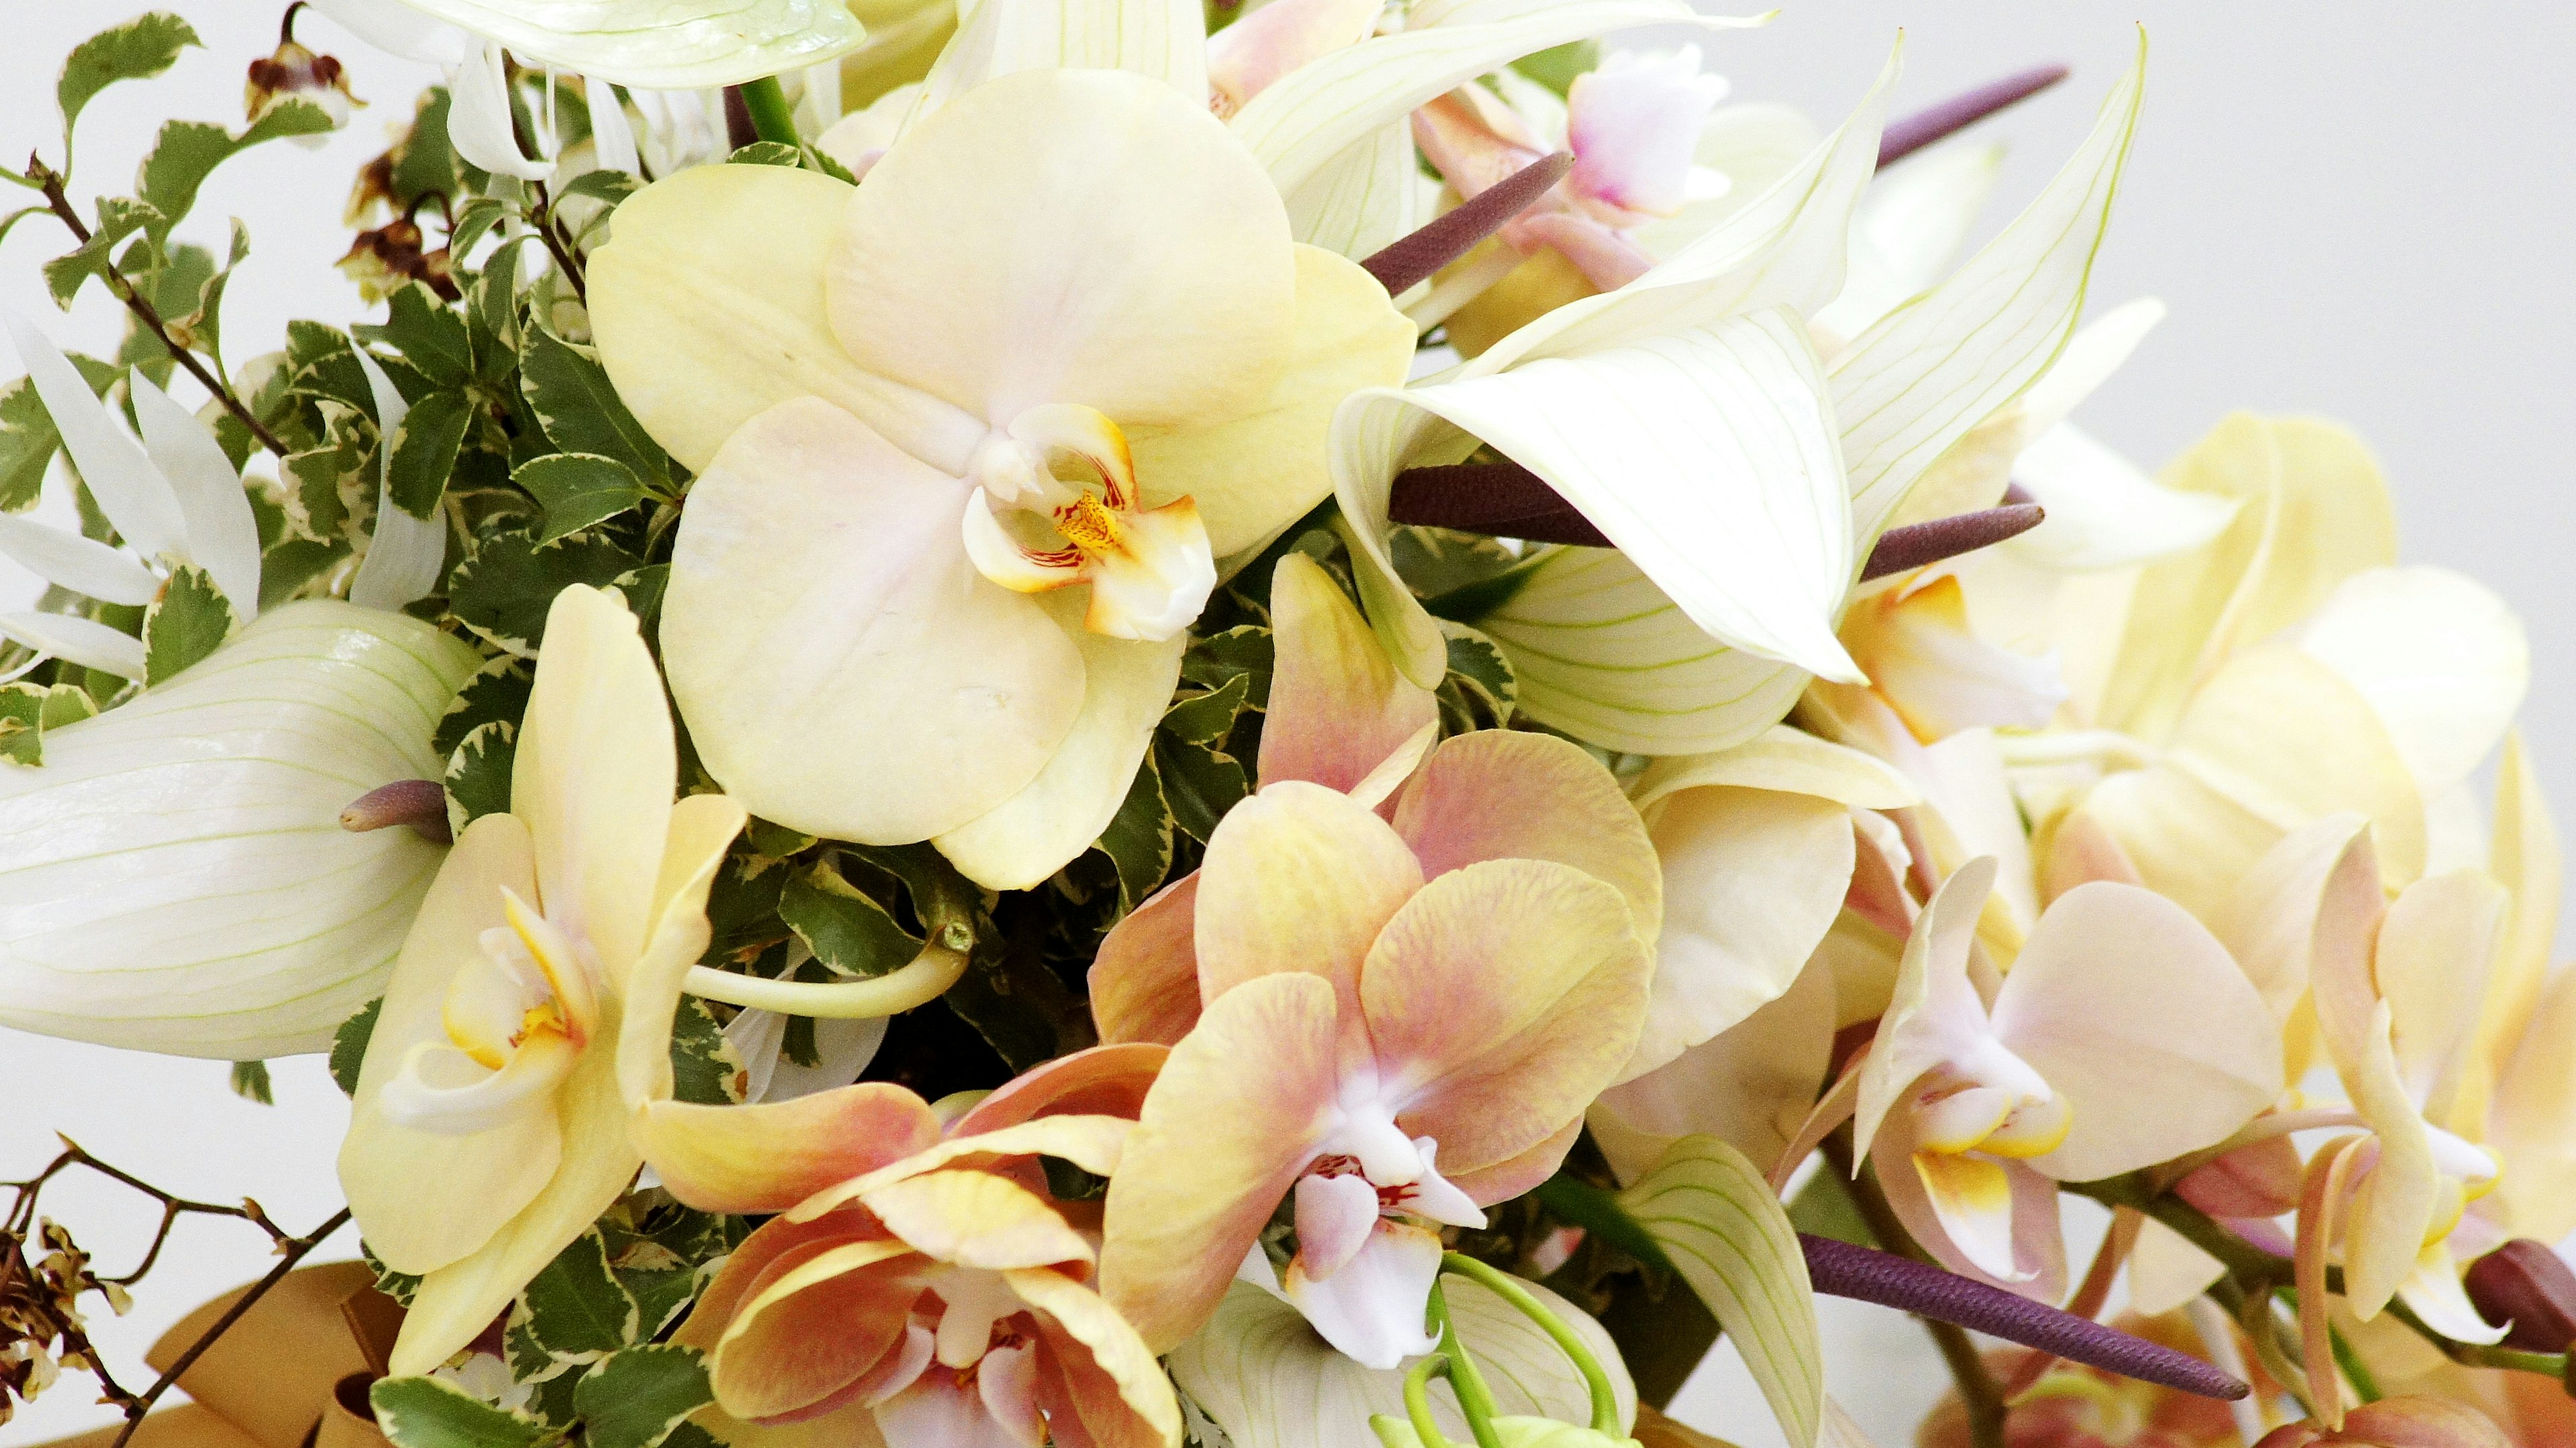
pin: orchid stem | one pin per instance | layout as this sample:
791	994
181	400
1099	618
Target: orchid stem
1605	1403
771	116
1475	1399
1417	1400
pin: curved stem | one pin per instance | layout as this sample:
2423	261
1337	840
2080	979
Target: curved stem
1417	1400
925	979
771	116
1475	1400
1605	1402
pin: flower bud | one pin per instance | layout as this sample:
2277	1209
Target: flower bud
2525	1283
386	260
2396	1423
296	72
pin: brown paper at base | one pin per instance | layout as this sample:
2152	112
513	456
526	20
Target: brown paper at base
348	1421
185	1426
271	1373
1654	1430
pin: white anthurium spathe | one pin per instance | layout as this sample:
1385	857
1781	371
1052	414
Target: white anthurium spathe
662	44
175	876
971	439
1261	1372
488	1128
172	496
1163	39
1619	647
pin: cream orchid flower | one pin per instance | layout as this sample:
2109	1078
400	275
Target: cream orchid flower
1397	1022
2125	1035
489	1126
972	439
1696	634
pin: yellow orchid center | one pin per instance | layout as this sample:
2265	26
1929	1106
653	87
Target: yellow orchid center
1150	569
516	1018
2004	1109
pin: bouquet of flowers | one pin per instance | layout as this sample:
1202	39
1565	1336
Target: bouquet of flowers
1294	725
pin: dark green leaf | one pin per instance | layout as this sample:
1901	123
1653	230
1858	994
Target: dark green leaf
609	186
498	691
22	724
847	931
27	444
434	1413
1139	838
766	153
705	1068
427	332
140	48
577	490
250	1082
425	450
644	588
349	1045
1481	688
575	1304
579	410
286	568
1205	719
1246	651
186	623
492	315
504	590
474	220
1200	784
478	773
636	1397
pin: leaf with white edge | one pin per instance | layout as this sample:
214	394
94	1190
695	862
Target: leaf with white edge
497	692
184	626
1165	39
429	334
406	553
424	452
22	724
435	1413
1302	122
83	641
478	774
139	49
662	44
847	930
705	1067
129	490
1925	374
27	444
1138	841
83	565
222	533
505	590
635	1397
1263	1375
577	490
1724	1230
575	1304
349	1045
581	413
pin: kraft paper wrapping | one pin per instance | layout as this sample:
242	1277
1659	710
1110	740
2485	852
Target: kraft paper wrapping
293	1371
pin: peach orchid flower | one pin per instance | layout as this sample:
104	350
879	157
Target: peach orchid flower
1386	1019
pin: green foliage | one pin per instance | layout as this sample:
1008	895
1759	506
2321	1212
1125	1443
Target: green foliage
498	693
570	394
478	772
504	590
1138	841
250	1082
639	1394
434	1413
848	930
27	443
429	334
578	490
767	153
185	624
1481	688
1558	65
349	1045
575	1304
187	152
425	448
27	710
705	1068
139	49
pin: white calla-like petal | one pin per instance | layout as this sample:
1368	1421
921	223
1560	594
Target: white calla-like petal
478	119
130	491
175	878
1165	39
86	642
406	554
222	534
665	44
2104	512
1909	230
612	138
83	565
398	29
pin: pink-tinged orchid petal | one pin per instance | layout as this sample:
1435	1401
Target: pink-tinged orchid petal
2394	1206
1499	1001
1337	707
1102	1081
1373	1308
773	1247
1145	979
1973	1197
2315	895
1090	1142
1007	1381
1935	1016
2138	1018
2038	1245
940	1411
1097	1378
769	1157
1473	140
816	1328
1512	1176
1607	259
2328	1177
1335	1215
899	1369
1634	127
976	1219
1922	656
2260	1180
1298	878
1500	794
2083	851
1248	55
1228	1127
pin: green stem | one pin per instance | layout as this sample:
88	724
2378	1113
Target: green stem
1417	1400
1475	1399
771	116
2355	1371
1605	1403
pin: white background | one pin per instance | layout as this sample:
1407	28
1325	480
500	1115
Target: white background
2354	209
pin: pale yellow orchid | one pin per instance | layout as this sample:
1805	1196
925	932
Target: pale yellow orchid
489	1129
1059	338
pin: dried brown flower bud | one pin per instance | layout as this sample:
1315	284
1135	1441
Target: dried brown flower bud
296	71
2396	1423
386	259
2525	1283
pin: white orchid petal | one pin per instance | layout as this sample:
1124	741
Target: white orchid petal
2103	511
175	877
405	554
666	44
478	118
1936	367
1372	1305
85	642
612	137
133	495
1909	231
398	29
222	533
83	565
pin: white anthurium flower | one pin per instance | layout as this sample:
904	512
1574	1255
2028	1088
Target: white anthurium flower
1163	39
1262	1373
842	1049
172	496
175	876
662	44
1668	645
972	439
